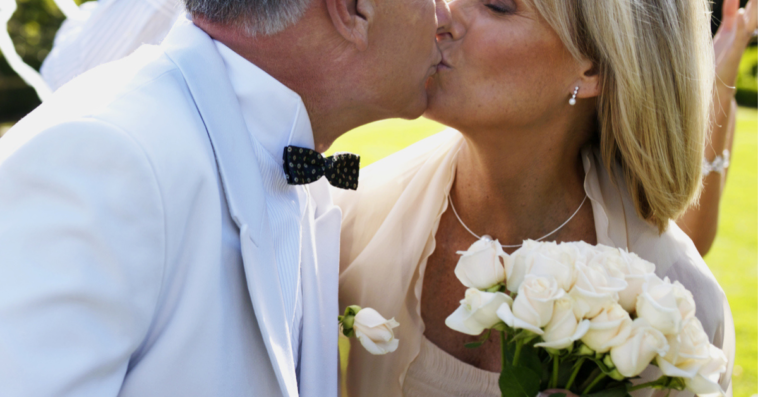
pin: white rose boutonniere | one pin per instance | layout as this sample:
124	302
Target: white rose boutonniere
372	330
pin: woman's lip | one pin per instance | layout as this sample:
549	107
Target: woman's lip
443	66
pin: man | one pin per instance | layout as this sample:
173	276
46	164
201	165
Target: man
150	244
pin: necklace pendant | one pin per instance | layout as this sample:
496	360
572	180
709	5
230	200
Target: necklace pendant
487	238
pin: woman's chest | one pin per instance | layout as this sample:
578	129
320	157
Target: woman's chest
441	295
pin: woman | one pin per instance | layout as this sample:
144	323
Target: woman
593	112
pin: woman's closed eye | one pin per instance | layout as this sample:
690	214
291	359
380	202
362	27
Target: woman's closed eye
502	7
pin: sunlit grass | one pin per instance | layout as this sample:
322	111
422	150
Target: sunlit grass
733	258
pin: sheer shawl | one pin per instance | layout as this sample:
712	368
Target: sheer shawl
388	233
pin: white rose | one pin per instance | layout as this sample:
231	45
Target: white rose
643	345
684	301
665	305
705	382
477	311
636	272
562	271
375	332
688	351
481	267
596	288
533	306
542	259
587	251
608	329
564	328
519	264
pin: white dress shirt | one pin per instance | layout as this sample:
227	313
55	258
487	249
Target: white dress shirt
267	102
107	30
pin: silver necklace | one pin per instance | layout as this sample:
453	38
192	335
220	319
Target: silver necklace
450	198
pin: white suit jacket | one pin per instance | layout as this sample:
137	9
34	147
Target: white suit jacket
115	275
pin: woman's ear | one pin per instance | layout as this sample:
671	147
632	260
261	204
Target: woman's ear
589	82
352	19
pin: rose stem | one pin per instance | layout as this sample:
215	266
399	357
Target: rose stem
556	368
503	362
597	380
644	385
517	354
575	373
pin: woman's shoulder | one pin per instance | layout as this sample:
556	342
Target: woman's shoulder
382	184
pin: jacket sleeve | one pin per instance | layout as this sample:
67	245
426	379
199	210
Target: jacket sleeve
82	247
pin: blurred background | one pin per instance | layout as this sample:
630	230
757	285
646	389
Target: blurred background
733	258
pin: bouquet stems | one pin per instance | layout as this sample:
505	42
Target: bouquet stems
578	366
503	342
597	380
556	368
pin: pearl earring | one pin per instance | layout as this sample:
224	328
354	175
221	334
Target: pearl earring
572	101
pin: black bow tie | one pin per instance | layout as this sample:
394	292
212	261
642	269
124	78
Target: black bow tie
303	166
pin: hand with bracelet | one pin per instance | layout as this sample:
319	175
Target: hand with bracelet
737	28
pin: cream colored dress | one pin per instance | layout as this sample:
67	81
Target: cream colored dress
388	233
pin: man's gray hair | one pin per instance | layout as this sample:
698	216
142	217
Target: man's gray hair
257	17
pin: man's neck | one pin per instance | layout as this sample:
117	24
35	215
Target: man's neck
312	65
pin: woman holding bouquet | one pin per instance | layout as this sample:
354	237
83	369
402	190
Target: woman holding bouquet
573	120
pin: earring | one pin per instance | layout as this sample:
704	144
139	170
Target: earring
572	101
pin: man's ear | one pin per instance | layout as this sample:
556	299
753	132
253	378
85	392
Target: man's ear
590	80
352	18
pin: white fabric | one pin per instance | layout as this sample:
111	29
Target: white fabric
105	31
389	230
436	372
137	252
276	117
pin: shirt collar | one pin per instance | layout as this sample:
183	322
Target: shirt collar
274	114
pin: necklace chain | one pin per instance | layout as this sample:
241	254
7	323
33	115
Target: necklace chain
450	198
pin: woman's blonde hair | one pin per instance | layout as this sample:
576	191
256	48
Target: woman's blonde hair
655	59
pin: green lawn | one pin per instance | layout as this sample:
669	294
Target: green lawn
733	258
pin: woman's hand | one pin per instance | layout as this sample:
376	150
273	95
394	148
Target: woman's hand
729	43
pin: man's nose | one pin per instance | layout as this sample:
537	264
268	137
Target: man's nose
444	19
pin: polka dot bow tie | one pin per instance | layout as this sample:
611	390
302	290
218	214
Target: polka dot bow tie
303	166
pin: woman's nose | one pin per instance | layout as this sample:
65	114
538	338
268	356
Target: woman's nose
449	26
443	15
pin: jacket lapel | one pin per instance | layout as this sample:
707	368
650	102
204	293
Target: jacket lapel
195	54
319	361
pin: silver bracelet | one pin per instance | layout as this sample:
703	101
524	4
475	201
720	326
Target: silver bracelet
719	164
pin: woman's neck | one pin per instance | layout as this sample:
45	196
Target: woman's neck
518	185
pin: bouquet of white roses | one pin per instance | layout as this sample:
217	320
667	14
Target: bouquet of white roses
583	318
